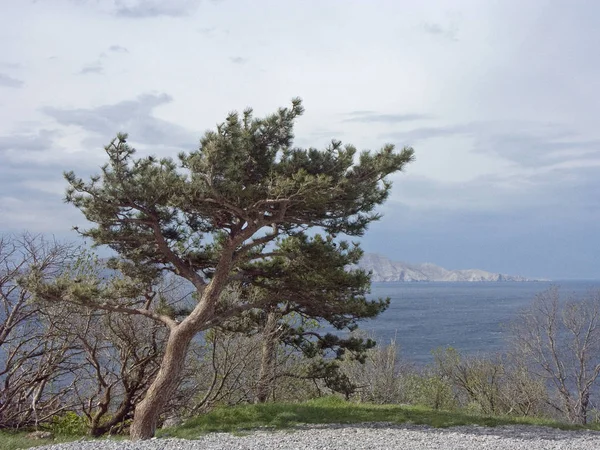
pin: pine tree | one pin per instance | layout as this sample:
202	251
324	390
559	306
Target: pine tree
239	210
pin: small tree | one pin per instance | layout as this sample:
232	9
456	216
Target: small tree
116	356
34	355
477	380
559	341
237	210
382	377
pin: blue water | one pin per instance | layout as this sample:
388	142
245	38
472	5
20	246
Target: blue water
467	316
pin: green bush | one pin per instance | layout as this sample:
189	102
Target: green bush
430	390
68	424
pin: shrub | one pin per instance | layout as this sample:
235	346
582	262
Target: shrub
68	424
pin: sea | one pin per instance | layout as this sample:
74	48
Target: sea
470	317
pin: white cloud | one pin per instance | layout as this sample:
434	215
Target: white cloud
10	82
118	49
137	9
94	68
130	116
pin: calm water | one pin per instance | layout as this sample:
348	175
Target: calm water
466	316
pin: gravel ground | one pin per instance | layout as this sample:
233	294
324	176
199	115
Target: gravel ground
368	436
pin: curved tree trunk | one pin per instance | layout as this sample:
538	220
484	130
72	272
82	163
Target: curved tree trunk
162	389
148	411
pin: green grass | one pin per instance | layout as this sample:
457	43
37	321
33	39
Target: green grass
16	440
332	410
12	440
325	410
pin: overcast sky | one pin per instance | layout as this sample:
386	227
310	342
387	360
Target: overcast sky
500	100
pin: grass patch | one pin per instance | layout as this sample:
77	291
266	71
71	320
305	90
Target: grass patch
332	410
13	440
10	440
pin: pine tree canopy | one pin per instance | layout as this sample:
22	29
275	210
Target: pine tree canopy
232	201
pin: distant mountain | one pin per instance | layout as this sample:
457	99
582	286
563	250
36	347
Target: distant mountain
386	270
